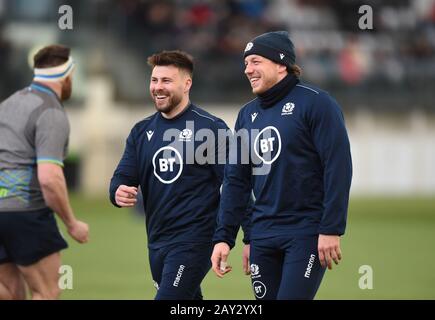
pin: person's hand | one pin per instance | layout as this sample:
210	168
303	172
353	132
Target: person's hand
329	250
245	258
79	231
125	196
219	258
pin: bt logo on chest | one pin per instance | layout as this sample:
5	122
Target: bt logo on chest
267	144
168	164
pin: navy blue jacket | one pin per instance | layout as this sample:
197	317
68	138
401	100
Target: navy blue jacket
181	196
299	168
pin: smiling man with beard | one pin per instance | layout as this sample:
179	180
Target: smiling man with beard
181	193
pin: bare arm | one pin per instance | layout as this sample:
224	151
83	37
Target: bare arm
53	185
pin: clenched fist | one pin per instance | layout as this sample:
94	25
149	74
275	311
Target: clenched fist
125	196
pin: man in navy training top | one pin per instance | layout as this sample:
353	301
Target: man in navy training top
179	175
300	171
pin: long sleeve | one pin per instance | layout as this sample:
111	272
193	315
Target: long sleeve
126	172
221	149
247	221
331	141
236	193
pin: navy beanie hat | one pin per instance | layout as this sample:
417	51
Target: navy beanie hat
275	46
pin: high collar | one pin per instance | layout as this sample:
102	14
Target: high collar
278	91
43	88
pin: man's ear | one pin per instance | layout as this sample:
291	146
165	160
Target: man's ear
187	84
281	68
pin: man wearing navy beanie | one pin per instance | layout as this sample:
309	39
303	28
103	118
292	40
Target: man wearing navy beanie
275	46
300	172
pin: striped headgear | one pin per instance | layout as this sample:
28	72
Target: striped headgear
55	73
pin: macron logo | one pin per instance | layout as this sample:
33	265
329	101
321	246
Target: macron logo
253	116
310	266
282	55
179	274
150	134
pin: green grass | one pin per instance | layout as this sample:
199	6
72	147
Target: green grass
395	236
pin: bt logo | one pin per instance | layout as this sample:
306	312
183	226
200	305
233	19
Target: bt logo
259	289
267	144
168	164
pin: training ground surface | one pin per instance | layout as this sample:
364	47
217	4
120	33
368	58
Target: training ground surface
395	236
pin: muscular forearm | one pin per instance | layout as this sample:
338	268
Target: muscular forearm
56	197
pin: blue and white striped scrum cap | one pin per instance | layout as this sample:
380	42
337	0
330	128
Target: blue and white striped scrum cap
57	73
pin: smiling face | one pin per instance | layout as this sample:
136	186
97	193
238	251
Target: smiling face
263	73
169	88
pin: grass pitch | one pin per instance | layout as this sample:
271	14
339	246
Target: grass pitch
395	236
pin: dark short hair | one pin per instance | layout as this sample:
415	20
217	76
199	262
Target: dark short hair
51	56
177	58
